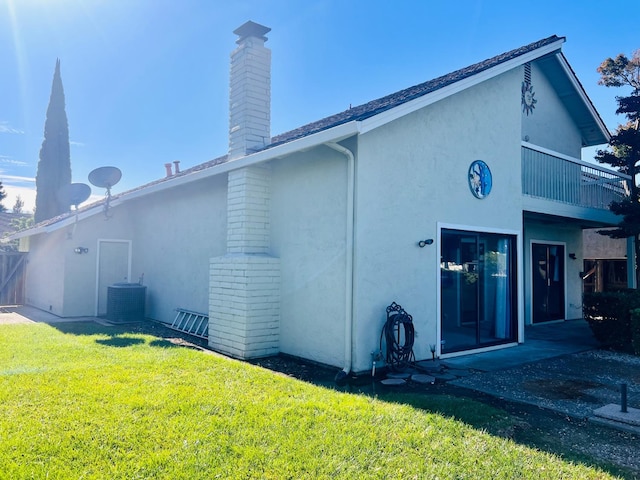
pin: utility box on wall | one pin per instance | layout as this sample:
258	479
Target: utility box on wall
125	302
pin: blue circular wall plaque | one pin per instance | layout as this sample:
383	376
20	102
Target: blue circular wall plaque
480	180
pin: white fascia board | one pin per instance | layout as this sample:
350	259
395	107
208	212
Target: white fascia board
444	92
71	219
26	233
583	95
335	134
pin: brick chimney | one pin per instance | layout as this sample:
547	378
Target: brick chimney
250	91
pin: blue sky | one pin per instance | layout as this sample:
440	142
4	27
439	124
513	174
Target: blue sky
146	81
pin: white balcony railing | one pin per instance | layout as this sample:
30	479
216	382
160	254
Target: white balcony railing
571	181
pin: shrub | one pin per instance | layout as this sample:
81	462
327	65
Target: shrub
609	316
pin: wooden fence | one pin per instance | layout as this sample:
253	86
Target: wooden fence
12	273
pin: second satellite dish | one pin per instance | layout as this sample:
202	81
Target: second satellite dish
74	194
105	177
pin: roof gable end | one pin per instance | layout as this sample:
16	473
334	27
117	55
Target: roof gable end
403	97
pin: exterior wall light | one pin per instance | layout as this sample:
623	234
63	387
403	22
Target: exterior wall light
423	243
81	250
572	256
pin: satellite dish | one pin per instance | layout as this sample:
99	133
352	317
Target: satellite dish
74	194
105	177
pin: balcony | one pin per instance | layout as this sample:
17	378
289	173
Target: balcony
569	182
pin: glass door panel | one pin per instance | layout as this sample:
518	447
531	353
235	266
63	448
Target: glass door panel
547	263
477	290
459	291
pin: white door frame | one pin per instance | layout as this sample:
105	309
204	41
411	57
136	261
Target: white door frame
530	279
519	294
100	242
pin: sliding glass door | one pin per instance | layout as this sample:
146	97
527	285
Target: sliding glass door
478	290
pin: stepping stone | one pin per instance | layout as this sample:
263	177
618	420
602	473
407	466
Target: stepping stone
398	375
430	364
612	412
393	381
433	369
458	372
445	364
423	379
444	377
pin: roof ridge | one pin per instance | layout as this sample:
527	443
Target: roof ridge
373	107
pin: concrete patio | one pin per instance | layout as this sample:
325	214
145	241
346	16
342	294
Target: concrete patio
559	367
541	342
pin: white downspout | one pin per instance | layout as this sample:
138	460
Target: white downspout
348	324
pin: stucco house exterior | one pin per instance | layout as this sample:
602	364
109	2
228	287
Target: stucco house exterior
608	262
463	199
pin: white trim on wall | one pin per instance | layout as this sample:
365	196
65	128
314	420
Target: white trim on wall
519	283
98	244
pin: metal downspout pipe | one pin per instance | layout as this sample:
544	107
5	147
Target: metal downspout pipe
348	324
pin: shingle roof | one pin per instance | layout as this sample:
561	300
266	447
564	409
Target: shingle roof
380	105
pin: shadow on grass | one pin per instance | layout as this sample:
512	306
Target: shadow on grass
129	334
119	341
525	425
574	440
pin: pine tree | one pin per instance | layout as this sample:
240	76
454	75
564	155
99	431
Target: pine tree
54	167
19	205
624	146
3	195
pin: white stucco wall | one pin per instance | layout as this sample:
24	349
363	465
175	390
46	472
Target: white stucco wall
80	270
176	232
598	246
44	284
308	220
61	281
173	235
412	174
549	125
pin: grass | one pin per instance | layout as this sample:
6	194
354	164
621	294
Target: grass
117	405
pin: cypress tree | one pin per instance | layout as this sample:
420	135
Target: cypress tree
54	166
624	146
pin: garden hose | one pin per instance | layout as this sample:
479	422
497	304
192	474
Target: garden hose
398	327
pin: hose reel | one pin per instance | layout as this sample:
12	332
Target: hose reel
398	335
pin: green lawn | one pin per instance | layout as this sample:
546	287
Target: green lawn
97	405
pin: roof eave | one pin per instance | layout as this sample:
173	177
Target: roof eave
606	135
335	134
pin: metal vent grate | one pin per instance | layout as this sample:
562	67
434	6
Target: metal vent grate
193	323
527	73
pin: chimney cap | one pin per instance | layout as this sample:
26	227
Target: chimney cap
251	29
